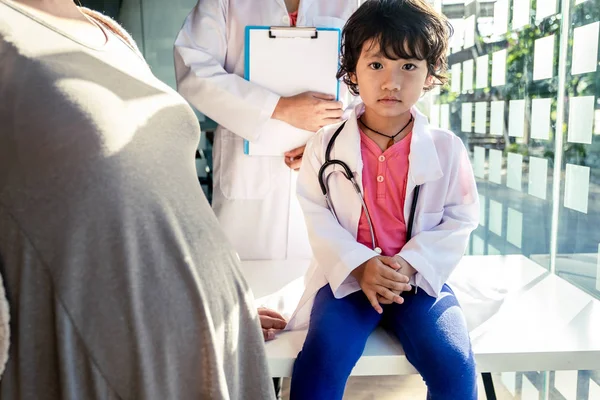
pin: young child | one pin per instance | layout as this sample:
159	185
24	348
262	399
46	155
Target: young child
366	272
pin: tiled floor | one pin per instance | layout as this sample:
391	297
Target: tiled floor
395	388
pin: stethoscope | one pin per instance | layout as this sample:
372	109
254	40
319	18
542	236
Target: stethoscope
324	183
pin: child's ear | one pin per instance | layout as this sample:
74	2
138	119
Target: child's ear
429	83
352	77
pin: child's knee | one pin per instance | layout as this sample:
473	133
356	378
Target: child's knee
332	351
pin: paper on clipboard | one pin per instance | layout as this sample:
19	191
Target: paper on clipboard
289	61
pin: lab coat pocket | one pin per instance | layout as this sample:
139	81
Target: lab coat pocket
428	221
242	176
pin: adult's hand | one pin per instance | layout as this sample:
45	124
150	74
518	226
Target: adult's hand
309	110
271	322
293	158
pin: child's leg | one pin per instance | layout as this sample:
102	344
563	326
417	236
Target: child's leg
434	335
336	338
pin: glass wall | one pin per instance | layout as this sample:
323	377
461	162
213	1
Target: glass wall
523	96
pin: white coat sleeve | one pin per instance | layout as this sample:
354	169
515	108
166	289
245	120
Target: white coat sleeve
435	253
240	106
335	249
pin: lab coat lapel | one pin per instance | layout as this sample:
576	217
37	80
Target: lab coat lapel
347	149
303	6
424	164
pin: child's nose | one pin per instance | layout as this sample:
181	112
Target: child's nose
392	82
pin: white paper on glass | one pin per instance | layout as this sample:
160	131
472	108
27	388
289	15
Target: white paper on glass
495	220
521	10
497	118
585	49
482	209
495	166
434	117
466	117
566	383
478	246
514	227
543	58
480	117
455	78
594	391
577	187
499	68
479	161
481	80
500	17
545	8
581	119
516	118
538	177
509	379
540	118
598	281
469	32
467	82
445	116
528	390
493	251
514	171
456	40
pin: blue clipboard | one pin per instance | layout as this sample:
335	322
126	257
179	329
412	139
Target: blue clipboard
310	54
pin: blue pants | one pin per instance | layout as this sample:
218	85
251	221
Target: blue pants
432	332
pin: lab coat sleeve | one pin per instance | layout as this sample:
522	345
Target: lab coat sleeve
435	253
233	102
335	249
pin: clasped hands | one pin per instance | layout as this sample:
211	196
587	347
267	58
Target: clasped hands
383	279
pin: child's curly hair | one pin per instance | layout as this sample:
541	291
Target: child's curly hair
407	29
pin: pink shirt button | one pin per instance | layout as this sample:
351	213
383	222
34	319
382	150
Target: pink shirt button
380	178
382	158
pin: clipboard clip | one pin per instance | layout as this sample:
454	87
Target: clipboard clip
293	32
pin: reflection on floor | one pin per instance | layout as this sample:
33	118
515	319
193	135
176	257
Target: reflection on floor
394	388
562	385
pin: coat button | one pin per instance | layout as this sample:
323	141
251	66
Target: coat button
380	178
286	19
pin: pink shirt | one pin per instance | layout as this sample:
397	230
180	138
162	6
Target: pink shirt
384	180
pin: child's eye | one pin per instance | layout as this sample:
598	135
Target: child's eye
375	65
409	67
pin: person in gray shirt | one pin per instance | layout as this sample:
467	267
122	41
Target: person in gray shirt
120	282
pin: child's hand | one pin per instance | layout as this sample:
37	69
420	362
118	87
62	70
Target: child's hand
405	269
377	276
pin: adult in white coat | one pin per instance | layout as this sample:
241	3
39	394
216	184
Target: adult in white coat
252	194
446	212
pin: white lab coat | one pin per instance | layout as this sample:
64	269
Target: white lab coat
447	210
252	195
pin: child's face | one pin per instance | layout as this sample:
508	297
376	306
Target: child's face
389	87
